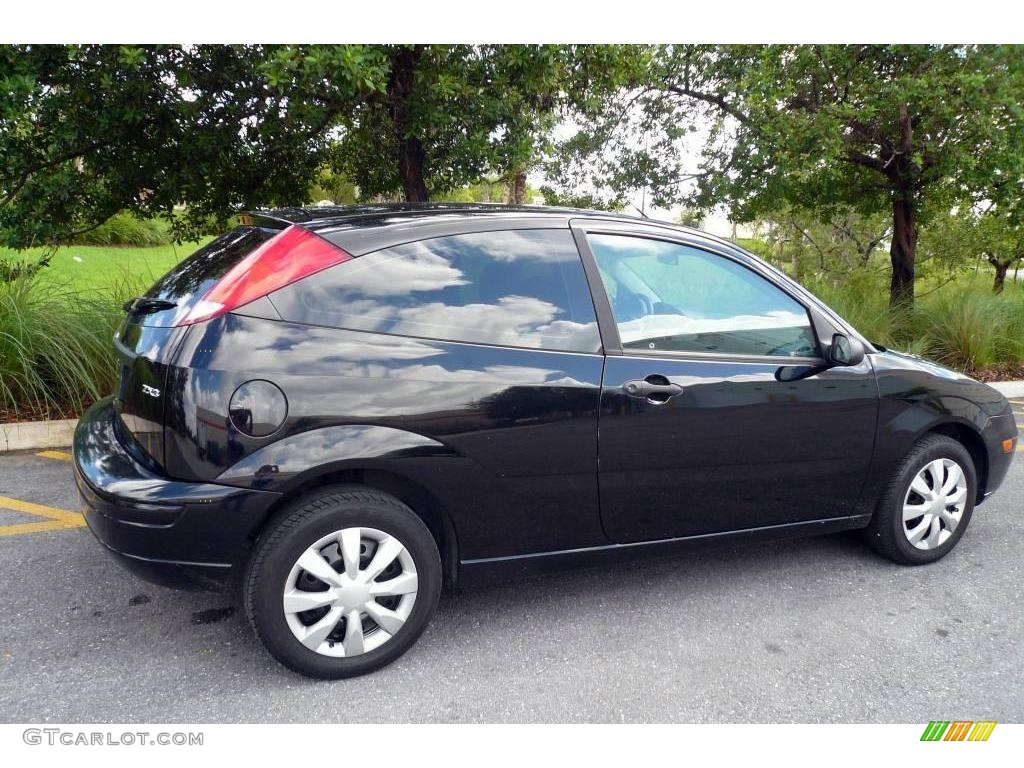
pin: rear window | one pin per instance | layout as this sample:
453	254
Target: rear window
518	288
188	282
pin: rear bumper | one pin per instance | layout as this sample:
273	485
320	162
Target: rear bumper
179	534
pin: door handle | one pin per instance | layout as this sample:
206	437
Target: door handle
655	389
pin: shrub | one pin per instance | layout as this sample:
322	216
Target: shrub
56	352
966	326
126	229
961	325
863	303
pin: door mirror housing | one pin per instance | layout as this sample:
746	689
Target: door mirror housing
845	350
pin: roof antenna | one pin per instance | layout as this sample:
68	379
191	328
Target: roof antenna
639	210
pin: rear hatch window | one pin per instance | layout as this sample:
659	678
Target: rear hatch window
174	295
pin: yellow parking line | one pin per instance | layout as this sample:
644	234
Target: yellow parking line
56	519
60	455
49	525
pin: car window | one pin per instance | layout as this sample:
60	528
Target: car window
671	297
520	288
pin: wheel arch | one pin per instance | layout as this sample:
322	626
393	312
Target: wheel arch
420	500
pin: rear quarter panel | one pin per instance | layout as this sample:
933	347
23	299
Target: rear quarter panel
505	439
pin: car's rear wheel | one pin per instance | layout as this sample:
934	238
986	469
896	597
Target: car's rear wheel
344	583
928	503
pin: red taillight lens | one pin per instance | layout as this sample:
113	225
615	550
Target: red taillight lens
289	256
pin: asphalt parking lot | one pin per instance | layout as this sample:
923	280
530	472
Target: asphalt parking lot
817	630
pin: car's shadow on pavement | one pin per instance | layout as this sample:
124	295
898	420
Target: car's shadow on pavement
495	612
583	600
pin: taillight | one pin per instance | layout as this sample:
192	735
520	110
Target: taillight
291	255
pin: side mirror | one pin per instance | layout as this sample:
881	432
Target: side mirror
845	351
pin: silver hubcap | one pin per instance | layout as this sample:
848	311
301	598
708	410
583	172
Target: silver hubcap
934	504
350	592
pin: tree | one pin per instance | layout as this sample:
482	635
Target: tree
988	231
872	127
690	217
490	190
334	187
840	245
450	115
86	131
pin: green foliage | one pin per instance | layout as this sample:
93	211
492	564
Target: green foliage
87	131
487	190
690	217
862	302
15	268
584	200
970	328
450	115
127	229
960	324
819	128
759	247
840	244
992	233
334	187
56	327
102	269
90	130
55	346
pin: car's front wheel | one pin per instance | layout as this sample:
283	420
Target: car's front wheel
928	503
344	583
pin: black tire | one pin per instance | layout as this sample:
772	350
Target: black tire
885	532
298	527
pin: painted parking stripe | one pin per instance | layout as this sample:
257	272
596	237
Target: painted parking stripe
56	519
59	455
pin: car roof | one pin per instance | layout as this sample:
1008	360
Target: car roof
361	228
383	214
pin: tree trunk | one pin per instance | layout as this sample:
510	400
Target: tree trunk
411	156
517	188
1002	267
410	167
1000	278
903	251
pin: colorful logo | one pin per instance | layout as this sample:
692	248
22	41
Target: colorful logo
958	730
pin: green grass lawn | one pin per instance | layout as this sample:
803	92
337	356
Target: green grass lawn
105	269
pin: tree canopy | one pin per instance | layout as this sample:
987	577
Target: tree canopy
903	128
86	131
822	132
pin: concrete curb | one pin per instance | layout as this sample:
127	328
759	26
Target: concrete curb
30	435
1009	388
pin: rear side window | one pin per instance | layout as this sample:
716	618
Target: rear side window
518	288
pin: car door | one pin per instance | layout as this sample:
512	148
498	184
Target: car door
717	410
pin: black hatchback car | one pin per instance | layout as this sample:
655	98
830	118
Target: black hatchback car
344	409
